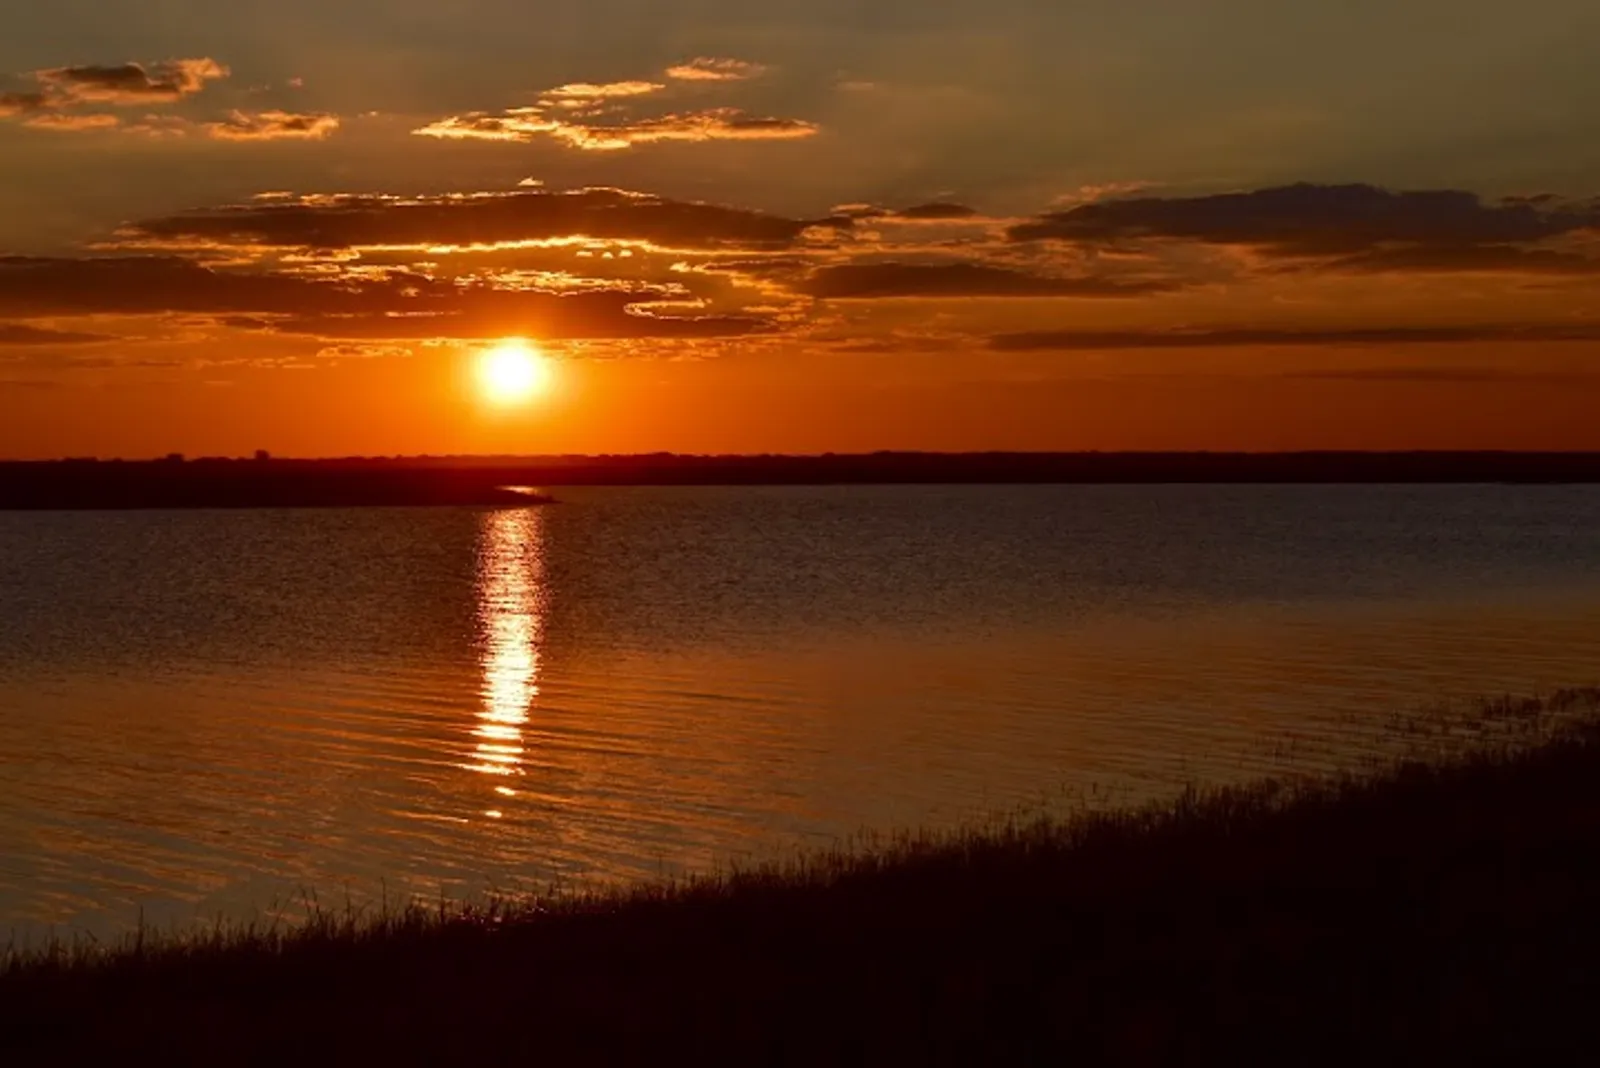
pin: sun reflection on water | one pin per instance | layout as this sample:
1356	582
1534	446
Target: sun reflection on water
511	618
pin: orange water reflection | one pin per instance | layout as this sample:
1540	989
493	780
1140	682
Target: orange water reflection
511	597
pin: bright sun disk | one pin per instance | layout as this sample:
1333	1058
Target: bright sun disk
513	372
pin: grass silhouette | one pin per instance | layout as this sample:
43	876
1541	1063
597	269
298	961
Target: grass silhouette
1439	908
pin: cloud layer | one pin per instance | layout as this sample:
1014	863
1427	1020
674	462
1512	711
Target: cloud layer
1350	228
1249	337
372	222
28	334
878	281
1310	219
385	305
62	92
1137	273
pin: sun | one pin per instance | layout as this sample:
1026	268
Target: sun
513	372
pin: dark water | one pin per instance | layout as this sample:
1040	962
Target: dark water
203	713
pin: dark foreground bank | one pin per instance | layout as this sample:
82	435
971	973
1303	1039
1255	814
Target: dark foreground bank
1441	913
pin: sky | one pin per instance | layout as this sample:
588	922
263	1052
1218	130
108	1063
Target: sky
775	226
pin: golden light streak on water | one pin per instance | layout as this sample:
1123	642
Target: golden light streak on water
511	598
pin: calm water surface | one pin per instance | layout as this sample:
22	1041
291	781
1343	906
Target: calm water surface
203	713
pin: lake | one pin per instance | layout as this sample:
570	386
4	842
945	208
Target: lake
206	714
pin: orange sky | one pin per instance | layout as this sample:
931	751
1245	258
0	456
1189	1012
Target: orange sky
778	227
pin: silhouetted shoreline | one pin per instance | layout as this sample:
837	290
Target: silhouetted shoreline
424	480
1435	912
73	485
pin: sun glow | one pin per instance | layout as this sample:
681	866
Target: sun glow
513	372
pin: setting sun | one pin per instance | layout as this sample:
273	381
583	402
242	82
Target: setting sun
513	372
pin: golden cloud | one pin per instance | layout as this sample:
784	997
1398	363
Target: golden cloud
69	122
707	69
273	126
527	124
606	91
584	115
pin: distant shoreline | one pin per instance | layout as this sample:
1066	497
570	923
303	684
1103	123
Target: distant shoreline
170	485
423	480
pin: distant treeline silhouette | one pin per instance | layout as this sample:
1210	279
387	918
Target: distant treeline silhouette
171	483
458	480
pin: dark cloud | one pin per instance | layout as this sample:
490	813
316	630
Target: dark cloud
1101	340
26	334
395	304
130	83
588	316
1444	375
14	104
61	89
937	212
861	211
345	222
1466	259
867	281
1314	219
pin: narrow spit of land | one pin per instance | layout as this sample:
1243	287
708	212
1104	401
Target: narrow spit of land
1443	912
175	483
483	480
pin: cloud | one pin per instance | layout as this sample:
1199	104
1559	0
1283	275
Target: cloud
13	104
392	304
1508	259
1307	220
61	89
1446	375
521	125
591	116
364	352
871	281
1250	337
936	212
26	334
586	91
160	126
707	69
524	216
129	83
273	126
69	122
237	126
